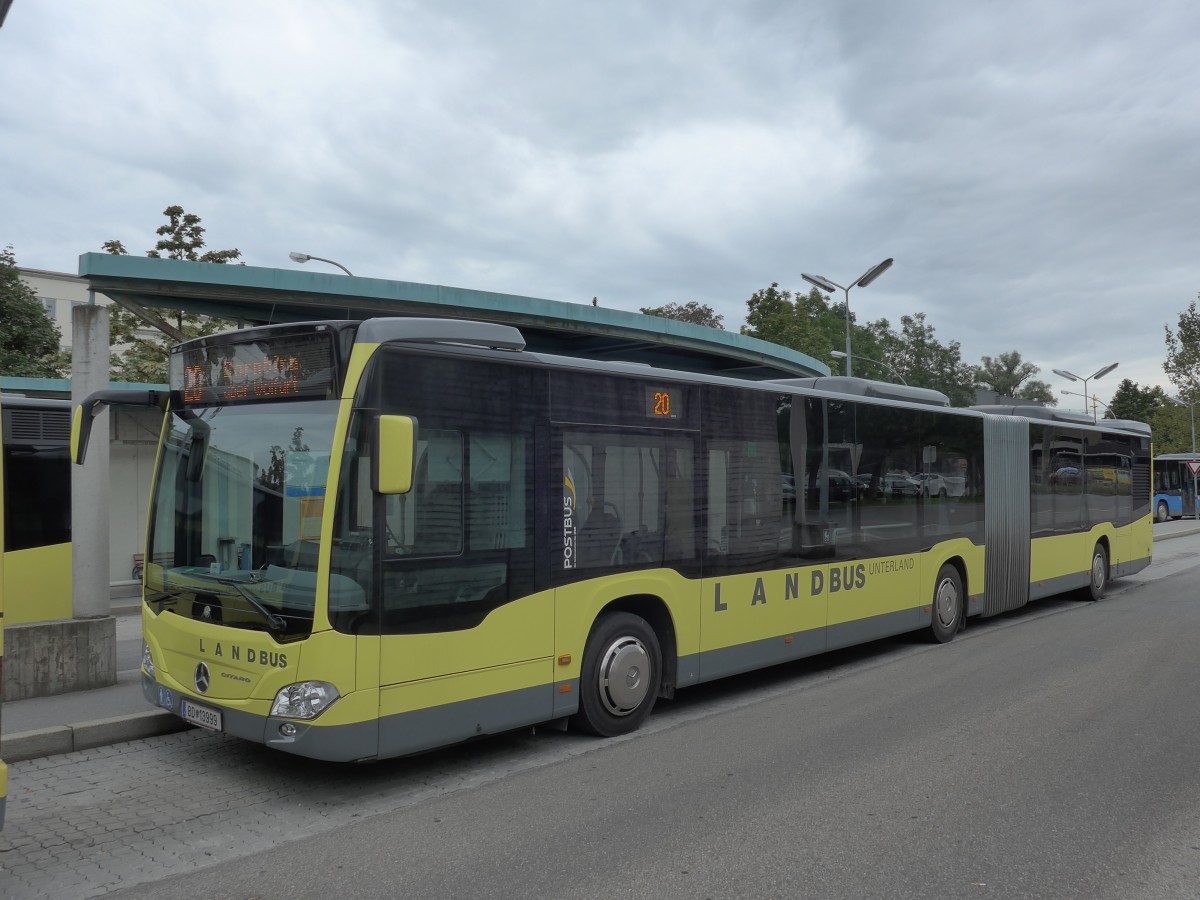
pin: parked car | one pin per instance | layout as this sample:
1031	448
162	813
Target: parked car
789	486
841	487
932	484
956	485
894	484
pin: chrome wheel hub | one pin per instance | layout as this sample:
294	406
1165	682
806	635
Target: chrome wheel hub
945	603
624	678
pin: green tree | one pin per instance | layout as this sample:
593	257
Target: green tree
146	357
773	316
696	313
29	339
1183	352
1130	401
1039	391
812	324
924	361
183	237
1009	376
808	323
1171	426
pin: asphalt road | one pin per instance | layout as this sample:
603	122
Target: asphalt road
1046	753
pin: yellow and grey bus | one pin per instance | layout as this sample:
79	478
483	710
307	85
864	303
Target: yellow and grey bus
35	518
37	508
369	539
3	506
3	764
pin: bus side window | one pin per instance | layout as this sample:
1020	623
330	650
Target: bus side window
496	502
633	498
718	506
681	505
428	520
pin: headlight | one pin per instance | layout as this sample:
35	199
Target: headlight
306	700
147	660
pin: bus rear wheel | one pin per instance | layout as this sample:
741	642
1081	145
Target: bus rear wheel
618	684
947	605
1162	512
1098	583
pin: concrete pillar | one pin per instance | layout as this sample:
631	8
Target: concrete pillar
89	482
80	653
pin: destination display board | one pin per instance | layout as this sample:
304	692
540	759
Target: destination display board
279	367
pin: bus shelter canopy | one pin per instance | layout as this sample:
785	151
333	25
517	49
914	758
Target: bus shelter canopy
252	295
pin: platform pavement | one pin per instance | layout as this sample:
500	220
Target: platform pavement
45	726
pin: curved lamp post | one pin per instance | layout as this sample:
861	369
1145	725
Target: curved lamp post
1192	409
304	257
1086	400
1095	375
829	287
838	354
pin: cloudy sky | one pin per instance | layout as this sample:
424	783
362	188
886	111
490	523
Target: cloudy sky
1033	167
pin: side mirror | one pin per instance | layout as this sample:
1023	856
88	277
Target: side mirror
94	404
396	454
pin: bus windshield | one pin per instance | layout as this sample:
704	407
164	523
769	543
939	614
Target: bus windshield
236	516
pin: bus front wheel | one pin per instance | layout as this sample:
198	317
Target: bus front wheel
1162	512
1098	583
622	667
947	604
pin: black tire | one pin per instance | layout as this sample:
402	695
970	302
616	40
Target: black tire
947	605
1098	580
942	494
1162	512
620	677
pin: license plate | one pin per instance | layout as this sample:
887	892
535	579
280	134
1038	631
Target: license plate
201	715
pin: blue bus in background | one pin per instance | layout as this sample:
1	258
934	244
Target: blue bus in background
1174	487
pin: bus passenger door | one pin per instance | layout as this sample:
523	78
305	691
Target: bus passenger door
626	532
465	636
761	604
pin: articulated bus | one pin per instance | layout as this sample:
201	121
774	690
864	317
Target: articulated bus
369	539
1174	487
35	518
3	505
37	508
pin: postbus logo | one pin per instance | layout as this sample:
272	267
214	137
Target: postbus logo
570	545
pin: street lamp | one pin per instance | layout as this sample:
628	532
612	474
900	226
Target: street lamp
1086	399
1073	377
304	257
829	287
838	354
1192	409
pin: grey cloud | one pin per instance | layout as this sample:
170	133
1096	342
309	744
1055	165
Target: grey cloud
1029	166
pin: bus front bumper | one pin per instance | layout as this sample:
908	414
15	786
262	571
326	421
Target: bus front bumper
338	743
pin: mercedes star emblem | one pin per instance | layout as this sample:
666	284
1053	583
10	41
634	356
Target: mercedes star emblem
202	678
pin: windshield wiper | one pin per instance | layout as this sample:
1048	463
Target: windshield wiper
275	622
163	597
